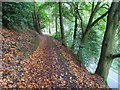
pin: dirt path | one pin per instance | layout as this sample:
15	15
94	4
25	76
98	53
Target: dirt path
48	68
51	65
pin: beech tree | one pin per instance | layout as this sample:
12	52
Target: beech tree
56	25
106	57
61	23
75	24
92	21
36	19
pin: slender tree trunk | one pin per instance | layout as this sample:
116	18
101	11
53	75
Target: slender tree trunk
119	48
33	20
36	21
105	60
74	34
61	23
75	26
56	25
119	39
87	30
39	22
49	29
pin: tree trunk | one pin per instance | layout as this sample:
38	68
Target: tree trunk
56	25
39	22
33	20
49	29
90	24
61	23
119	48
36	21
74	34
105	60
75	27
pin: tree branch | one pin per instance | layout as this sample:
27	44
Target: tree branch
92	6
79	16
102	6
73	4
80	20
96	7
115	56
103	18
92	14
99	18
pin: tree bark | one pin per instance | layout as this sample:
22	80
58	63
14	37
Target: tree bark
39	23
105	60
115	56
75	26
49	29
36	21
90	24
61	23
56	25
33	20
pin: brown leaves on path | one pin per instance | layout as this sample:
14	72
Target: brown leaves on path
48	68
51	65
14	49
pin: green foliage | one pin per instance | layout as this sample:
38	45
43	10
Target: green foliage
20	15
68	12
16	14
56	36
55	10
91	50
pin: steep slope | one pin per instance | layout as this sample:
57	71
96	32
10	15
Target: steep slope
51	65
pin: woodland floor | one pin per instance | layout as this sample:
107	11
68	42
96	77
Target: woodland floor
28	60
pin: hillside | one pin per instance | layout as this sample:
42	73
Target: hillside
29	60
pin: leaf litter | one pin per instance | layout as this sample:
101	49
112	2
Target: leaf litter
28	60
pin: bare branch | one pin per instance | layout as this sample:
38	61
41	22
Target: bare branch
96	7
92	15
100	7
115	56
103	6
92	6
102	18
99	18
75	5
